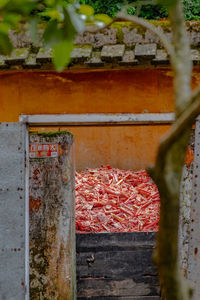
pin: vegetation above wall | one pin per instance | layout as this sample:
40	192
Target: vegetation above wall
111	7
63	19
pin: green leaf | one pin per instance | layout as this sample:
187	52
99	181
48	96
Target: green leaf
53	35
22	7
50	2
166	3
73	19
61	54
103	18
54	14
11	18
4	27
3	3
5	44
86	10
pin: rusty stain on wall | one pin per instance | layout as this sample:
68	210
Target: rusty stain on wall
189	157
52	243
34	204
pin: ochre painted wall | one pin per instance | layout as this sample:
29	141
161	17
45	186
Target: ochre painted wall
124	147
96	91
86	91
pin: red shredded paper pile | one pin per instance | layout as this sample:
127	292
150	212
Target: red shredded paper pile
113	200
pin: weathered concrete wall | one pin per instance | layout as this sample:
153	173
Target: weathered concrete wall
185	209
194	225
189	238
52	236
13	212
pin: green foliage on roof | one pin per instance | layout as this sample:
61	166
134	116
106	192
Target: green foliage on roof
149	11
62	23
63	19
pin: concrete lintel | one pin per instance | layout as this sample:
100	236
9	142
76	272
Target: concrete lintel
99	119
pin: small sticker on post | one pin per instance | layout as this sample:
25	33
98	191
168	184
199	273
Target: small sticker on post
43	150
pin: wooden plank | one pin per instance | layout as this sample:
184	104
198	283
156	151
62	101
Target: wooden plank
116	264
114	241
122	298
90	287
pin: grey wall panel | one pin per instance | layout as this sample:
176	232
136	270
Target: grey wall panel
13	281
194	240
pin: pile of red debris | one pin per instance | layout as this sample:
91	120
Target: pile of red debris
113	200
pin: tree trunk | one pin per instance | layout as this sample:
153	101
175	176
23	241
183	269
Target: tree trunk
171	153
169	165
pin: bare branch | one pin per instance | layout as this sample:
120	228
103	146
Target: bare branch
185	120
183	64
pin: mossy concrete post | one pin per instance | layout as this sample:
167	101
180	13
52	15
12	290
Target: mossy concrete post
52	209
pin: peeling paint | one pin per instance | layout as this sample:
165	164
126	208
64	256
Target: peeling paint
34	204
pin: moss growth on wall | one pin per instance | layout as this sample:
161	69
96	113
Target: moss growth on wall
50	133
165	25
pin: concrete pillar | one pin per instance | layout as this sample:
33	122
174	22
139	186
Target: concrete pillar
52	209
